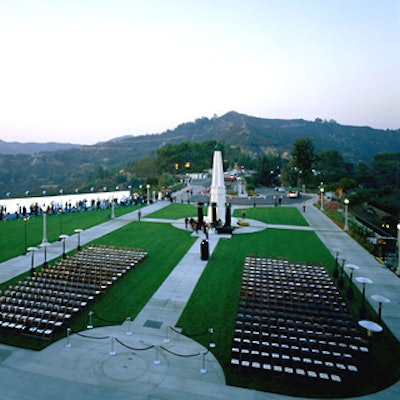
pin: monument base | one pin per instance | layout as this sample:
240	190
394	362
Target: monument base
224	229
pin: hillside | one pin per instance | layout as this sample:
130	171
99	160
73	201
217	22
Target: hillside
32	148
69	167
260	135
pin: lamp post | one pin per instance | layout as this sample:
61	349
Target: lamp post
60	211
44	212
371	327
352	268
32	250
112	208
341	279
364	281
346	214
380	300
44	245
148	194
78	231
336	270
398	249
322	198
25	219
63	238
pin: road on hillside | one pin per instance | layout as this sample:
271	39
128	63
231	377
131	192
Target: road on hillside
266	197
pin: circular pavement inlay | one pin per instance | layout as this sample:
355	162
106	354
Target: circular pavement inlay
124	367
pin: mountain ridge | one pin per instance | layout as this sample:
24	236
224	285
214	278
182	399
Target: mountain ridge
75	166
255	135
32	147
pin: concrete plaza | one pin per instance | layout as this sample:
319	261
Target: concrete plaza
144	358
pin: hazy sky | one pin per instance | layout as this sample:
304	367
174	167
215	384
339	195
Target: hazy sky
85	71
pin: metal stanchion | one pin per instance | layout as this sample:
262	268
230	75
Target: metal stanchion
129	332
112	349
90	323
157	360
203	369
166	339
68	333
211	343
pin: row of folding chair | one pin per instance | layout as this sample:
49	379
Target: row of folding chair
45	301
292	321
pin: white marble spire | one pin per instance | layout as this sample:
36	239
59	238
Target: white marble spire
217	190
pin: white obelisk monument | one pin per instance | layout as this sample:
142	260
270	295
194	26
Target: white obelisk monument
217	190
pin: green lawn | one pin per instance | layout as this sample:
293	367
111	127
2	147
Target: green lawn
214	300
175	211
165	244
18	234
219	287
273	215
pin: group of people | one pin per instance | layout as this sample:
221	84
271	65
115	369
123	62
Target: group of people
196	225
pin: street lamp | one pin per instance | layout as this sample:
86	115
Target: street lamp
336	270
44	213
25	219
63	237
322	198
398	249
364	281
352	268
380	300
148	194
78	231
60	212
32	250
341	278
346	214
112	208
44	245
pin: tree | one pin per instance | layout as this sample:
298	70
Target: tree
268	169
386	168
364	175
347	184
331	166
165	180
303	158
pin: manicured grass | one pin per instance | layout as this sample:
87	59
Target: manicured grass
175	211
273	215
215	298
18	234
165	244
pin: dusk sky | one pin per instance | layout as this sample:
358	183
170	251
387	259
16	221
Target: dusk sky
83	71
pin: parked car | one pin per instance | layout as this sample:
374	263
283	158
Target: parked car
293	194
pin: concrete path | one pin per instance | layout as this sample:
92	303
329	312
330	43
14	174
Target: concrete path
145	359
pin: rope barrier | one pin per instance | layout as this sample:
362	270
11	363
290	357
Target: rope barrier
105	320
179	355
209	331
133	348
191	336
82	328
91	337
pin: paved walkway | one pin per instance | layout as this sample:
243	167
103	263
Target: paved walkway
143	359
